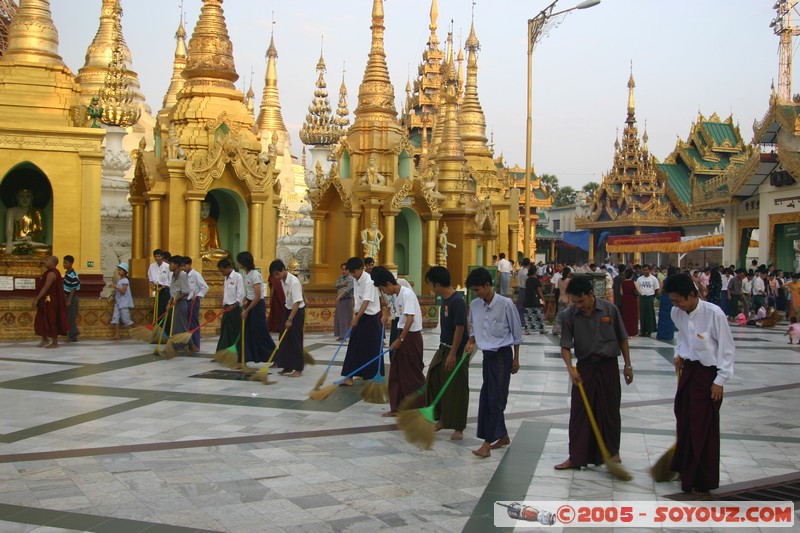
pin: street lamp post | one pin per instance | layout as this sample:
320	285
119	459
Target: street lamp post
536	27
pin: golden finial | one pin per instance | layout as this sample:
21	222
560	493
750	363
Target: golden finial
270	117
32	37
116	96
210	59
471	117
303	160
433	42
178	65
631	104
376	92
251	96
319	127
342	119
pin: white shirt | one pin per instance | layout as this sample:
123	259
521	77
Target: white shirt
159	275
293	291
251	279
747	286
407	305
504	265
522	277
726	279
233	292
705	336
555	279
647	285
390	299
197	285
758	286
365	289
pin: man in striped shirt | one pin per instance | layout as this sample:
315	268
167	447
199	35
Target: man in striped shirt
72	284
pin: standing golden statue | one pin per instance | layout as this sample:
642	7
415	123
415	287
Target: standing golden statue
443	245
371	239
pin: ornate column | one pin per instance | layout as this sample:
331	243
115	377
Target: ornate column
591	245
389	241
513	240
553	251
137	245
154	223
254	229
487	252
430	253
354	241
192	238
637	256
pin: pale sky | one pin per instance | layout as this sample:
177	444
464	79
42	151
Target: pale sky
688	56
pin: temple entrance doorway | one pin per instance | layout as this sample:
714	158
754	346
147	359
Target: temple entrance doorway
408	247
229	211
39	220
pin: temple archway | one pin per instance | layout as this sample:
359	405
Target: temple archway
344	166
27	176
403	165
408	247
230	211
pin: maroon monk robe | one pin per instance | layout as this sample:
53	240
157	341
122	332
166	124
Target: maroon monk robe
51	310
277	303
601	381
630	307
697	452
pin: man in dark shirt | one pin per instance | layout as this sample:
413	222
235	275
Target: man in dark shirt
451	411
72	284
534	315
735	293
594	328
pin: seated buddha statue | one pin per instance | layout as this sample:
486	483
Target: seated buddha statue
210	247
25	229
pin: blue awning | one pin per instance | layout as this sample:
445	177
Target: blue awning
578	239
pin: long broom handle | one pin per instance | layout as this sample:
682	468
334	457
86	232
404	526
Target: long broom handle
243	342
593	422
155	306
265	370
362	367
380	346
209	321
337	350
449	379
172	319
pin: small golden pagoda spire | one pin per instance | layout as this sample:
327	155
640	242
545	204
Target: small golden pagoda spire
446	73
631	103
460	71
32	37
471	118
270	117
450	146
376	93
434	40
251	96
178	65
116	95
342	119
210	59
319	127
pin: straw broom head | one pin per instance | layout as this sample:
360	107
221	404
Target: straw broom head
375	392
416	429
617	470
320	381
308	358
221	355
323	393
181	338
662	471
141	333
169	351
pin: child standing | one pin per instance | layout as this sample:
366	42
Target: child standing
123	300
793	331
72	284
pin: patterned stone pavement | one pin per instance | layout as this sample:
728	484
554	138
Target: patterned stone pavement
106	437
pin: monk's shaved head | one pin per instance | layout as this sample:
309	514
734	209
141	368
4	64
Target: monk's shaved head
51	261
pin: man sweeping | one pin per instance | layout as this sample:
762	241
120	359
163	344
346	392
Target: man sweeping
230	330
159	277
290	351
365	329
594	329
495	328
406	375
197	291
178	304
451	412
704	359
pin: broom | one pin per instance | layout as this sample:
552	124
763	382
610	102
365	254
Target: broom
147	333
324	375
186	336
419	425
221	355
230	358
662	469
169	350
263	374
616	469
323	393
375	390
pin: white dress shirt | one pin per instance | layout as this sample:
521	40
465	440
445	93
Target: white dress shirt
758	286
233	293
705	336
197	285
251	279
495	325
504	265
407	304
747	286
293	290
365	289
159	275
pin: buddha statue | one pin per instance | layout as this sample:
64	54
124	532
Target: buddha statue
210	246
25	228
371	238
444	243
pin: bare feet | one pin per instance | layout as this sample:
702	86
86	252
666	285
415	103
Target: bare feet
348	382
42	343
51	345
295	374
566	465
615	459
505	441
438	426
483	452
389	414
457	435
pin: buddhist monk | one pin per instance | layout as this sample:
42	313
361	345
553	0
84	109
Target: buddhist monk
51	309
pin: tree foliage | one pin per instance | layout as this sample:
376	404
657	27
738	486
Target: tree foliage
590	188
565	196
